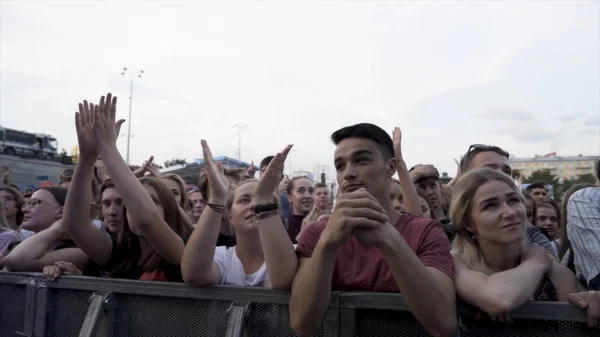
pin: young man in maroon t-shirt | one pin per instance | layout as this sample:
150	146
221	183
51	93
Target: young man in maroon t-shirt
368	246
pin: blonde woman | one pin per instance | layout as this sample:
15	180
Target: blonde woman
496	270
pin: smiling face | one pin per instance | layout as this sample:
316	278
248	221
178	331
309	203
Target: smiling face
498	214
302	196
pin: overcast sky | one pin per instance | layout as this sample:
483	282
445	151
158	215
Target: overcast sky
521	75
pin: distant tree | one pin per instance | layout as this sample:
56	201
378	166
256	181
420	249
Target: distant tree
587	178
174	162
542	175
516	174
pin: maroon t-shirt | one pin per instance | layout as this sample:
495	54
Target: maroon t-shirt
359	268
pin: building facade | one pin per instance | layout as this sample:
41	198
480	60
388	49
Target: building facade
569	167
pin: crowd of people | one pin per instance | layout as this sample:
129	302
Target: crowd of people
479	238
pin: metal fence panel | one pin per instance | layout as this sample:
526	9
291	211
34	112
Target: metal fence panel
273	320
375	323
472	327
12	309
66	312
155	316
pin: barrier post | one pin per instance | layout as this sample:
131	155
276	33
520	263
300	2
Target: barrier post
236	325
99	318
41	307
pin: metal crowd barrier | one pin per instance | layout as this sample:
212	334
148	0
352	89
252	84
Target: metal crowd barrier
97	307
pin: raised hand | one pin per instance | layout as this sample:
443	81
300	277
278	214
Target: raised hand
218	184
270	179
354	211
106	130
250	171
397	138
84	124
140	172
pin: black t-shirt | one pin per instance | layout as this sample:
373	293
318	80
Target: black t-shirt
134	272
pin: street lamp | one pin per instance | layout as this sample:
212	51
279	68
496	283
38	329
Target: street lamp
240	127
132	75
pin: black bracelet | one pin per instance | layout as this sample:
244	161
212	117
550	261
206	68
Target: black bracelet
216	208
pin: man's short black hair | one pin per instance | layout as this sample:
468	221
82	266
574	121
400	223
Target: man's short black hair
367	131
536	184
266	161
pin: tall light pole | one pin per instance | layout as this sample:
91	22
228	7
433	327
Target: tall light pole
131	77
240	127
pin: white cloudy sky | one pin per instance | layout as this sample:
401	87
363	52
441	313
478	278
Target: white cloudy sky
525	76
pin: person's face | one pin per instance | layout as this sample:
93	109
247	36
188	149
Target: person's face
198	204
112	210
41	211
241	215
322	198
538	193
433	189
425	208
497	214
174	187
396	196
9	203
490	159
303	196
360	164
157	203
529	207
189	187
547	219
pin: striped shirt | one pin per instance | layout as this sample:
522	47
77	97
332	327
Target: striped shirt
583	230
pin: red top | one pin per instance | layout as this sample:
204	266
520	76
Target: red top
358	268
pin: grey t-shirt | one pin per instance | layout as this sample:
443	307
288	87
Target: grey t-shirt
535	235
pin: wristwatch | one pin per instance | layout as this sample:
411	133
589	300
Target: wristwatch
272	206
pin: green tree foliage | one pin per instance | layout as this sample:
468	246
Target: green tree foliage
174	162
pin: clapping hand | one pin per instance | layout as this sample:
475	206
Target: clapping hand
270	179
218	184
106	130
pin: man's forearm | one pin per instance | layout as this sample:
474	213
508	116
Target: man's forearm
420	290
311	291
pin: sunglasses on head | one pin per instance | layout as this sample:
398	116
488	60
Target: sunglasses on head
482	147
67	173
414	167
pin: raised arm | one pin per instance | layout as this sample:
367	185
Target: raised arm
76	216
32	254
141	209
198	267
278	249
502	292
409	191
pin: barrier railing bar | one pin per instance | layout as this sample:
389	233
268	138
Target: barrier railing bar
41	307
166	289
16	278
98	320
30	300
236	324
380	301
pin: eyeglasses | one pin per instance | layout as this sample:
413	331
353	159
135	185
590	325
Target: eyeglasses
476	148
33	203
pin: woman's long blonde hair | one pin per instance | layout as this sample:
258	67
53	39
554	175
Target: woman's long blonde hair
464	244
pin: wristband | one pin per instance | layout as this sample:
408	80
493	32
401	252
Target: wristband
272	206
216	208
263	216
